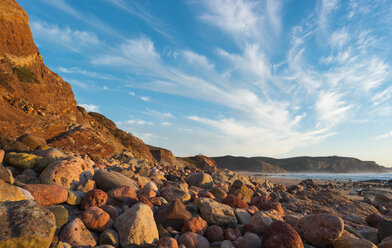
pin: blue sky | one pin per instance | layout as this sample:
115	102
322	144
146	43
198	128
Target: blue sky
270	78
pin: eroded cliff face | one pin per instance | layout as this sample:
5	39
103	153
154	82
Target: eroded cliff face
35	100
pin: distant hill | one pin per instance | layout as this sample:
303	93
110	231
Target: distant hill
331	164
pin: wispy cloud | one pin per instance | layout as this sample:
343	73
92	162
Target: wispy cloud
88	18
331	108
158	114
140	122
71	39
132	7
385	135
166	123
254	21
91	74
145	98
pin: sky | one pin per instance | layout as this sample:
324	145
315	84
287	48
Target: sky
241	77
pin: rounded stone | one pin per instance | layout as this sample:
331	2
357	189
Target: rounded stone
69	172
234	202
76	234
96	219
167	242
250	240
25	224
136	226
281	234
320	229
193	240
60	213
214	233
21	160
47	194
122	195
93	198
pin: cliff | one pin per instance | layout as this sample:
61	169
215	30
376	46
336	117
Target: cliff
35	100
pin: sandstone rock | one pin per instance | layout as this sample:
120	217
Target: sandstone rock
350	241
215	213
136	226
109	237
50	153
172	193
167	242
147	193
281	234
250	240
240	190
25	224
193	240
320	229
234	202
200	179
172	215
60	214
243	216
219	193
385	229
75	197
214	233
32	141
10	192
195	224
76	234
108	180
93	198
267	205
68	173
87	186
21	160
122	195
96	219
47	194
386	243
6	175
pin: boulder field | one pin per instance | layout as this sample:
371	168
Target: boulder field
132	202
69	178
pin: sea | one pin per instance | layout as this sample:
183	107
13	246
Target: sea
340	177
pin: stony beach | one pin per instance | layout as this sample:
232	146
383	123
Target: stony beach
69	178
54	199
